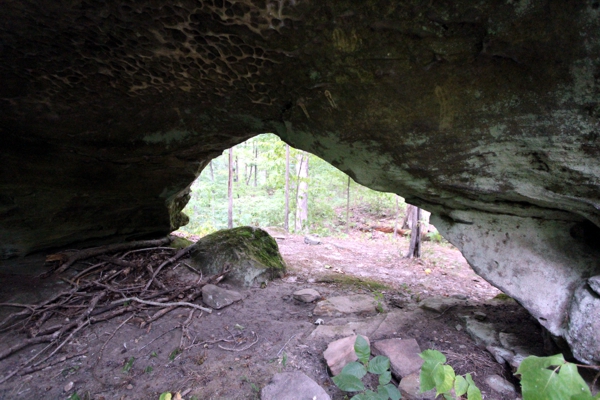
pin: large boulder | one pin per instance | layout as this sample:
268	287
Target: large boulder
484	113
251	255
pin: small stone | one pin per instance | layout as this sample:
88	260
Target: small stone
68	386
217	297
482	333
439	304
340	353
319	322
293	386
500	385
410	388
480	316
403	355
459	327
129	387
311	240
307	295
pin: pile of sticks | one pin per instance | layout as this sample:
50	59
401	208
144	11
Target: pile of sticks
113	285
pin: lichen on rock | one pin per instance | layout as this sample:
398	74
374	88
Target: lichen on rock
251	254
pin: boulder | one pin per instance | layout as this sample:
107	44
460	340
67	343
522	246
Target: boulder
500	385
217	298
293	386
251	254
340	353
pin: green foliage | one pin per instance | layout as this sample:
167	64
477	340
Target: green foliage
542	378
435	374
175	353
165	396
74	396
128	365
259	198
350	379
552	378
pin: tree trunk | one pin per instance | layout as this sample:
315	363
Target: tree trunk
348	207
408	217
302	192
415	236
287	189
212	173
256	166
397	218
230	191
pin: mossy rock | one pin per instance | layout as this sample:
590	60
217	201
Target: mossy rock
251	254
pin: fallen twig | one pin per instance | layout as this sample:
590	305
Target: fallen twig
157	304
242	349
104	346
171	260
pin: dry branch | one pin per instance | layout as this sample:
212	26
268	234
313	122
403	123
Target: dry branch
171	260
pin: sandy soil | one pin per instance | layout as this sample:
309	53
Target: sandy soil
232	353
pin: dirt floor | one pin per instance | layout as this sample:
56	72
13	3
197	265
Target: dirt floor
233	352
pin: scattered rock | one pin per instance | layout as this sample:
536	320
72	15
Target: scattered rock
293	386
311	240
501	354
482	333
319	321
340	353
403	355
459	327
480	316
129	387
218	298
307	295
251	254
583	332
440	304
410	388
500	385
354	304
68	386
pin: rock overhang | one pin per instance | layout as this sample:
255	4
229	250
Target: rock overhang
486	115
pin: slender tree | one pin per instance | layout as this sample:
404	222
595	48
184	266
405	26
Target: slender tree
414	249
287	189
348	206
230	191
397	218
212	173
302	192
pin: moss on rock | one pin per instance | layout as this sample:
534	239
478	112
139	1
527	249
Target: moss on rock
251	254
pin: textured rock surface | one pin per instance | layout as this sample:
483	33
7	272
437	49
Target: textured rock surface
307	295
485	114
403	355
216	297
293	386
251	255
342	305
340	353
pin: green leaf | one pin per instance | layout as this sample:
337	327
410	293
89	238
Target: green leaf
128	365
348	383
385	378
448	396
165	396
354	368
473	392
74	396
362	349
460	385
561	382
433	356
379	365
443	375
391	391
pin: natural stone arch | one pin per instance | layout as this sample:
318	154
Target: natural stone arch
487	115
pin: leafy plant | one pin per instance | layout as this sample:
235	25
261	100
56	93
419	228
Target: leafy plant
350	379
175	353
436	374
379	299
552	378
128	365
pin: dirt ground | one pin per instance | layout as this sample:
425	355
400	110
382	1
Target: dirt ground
233	352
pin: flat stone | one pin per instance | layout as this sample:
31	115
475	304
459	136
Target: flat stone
365	328
293	386
307	295
410	388
355	304
482	333
440	304
340	353
500	385
403	355
501	354
480	316
217	298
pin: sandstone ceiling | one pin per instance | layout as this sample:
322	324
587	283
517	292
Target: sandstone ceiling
485	113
